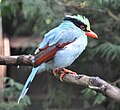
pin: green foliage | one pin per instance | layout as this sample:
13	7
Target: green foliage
108	51
46	15
98	97
39	16
9	7
10	94
11	106
36	16
88	92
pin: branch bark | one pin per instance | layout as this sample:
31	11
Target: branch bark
94	83
24	60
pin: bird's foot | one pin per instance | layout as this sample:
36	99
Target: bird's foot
56	71
63	71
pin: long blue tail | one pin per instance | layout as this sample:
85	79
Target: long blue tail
28	82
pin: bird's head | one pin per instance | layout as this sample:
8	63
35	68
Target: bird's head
83	23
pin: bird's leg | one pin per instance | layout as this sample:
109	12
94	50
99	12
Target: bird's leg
63	71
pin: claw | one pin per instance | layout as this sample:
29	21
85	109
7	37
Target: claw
61	76
63	71
56	71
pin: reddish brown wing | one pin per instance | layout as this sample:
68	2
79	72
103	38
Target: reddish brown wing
47	53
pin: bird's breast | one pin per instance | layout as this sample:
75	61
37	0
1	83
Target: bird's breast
67	55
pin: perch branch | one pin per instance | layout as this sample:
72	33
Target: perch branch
94	83
16	60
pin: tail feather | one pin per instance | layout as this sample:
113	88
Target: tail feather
28	82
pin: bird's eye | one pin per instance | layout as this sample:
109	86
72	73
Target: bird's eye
83	27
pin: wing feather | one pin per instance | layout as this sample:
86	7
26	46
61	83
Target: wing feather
57	35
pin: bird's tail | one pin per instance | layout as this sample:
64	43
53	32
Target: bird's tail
28	82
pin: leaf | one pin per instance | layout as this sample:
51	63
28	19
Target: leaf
11	93
18	86
88	92
108	51
99	99
9	82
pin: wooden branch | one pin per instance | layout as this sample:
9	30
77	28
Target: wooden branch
115	17
94	83
24	60
80	6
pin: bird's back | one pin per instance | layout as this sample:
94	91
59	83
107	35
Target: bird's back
65	32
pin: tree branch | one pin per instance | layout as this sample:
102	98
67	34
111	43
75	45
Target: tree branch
81	6
94	83
24	60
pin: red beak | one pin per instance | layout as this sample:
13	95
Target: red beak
91	34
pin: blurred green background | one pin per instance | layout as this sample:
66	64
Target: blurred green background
33	18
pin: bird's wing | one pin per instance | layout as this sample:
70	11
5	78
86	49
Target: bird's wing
52	42
56	35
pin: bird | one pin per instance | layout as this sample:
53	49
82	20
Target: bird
60	47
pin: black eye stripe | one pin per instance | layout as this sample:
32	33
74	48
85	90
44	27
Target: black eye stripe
76	22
